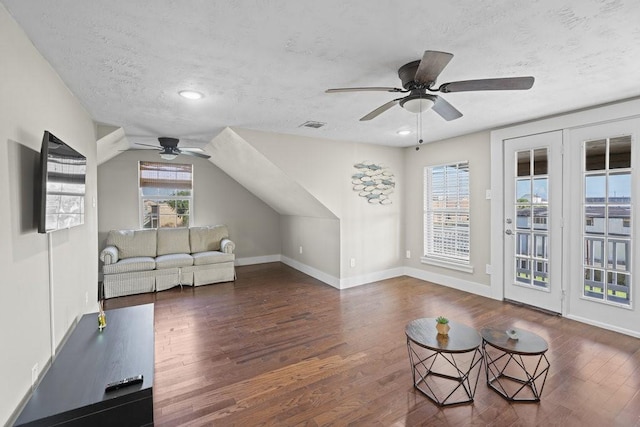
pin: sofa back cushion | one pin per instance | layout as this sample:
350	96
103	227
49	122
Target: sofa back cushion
173	241
133	243
207	238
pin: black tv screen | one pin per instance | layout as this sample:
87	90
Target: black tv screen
62	185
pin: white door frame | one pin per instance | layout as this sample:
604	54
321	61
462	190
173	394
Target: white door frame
550	298
626	109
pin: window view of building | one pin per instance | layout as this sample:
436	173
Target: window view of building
446	212
166	194
532	219
607	220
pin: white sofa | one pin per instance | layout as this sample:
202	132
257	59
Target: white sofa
150	260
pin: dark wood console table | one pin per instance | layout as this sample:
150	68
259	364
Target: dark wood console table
72	391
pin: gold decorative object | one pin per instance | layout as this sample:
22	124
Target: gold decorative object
102	318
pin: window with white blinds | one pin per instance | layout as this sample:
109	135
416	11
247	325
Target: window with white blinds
446	212
166	194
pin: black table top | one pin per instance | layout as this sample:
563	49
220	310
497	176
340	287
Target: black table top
527	343
461	338
90	359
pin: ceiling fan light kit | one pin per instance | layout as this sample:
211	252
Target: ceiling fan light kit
417	103
166	156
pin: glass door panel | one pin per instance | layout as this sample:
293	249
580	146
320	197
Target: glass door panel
607	219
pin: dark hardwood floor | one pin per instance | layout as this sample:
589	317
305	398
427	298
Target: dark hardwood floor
280	348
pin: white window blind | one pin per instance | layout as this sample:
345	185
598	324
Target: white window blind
446	212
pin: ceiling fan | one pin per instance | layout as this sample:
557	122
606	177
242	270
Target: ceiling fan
169	149
419	78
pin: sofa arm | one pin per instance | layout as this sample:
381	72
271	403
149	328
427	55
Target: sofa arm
109	255
227	246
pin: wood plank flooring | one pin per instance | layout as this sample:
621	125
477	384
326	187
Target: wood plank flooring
278	347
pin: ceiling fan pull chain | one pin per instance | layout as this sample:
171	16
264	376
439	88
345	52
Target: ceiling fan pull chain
419	130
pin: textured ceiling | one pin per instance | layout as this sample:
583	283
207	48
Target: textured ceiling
264	65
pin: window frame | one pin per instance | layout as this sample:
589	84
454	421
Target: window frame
142	198
460	259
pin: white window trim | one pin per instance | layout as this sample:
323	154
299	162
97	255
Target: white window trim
141	198
463	265
467	267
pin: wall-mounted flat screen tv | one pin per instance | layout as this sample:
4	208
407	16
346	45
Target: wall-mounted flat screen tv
62	185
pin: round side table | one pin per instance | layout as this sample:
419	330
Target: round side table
445	368
516	365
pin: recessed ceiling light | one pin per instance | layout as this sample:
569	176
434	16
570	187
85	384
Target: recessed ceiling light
190	94
403	132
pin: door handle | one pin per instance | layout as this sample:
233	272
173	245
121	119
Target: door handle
508	232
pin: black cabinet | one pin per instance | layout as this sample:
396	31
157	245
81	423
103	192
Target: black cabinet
72	391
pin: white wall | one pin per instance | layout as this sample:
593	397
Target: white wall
32	99
476	149
312	243
370	234
218	199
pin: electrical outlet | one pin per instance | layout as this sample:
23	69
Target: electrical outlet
408	254
300	249
353	262
487	268
34	375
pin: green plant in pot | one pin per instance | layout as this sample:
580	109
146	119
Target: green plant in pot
442	325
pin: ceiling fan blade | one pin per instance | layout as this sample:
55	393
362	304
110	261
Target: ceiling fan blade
381	109
147	145
194	154
431	65
445	110
505	83
365	89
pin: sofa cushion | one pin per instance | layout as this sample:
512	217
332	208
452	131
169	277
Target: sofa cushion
173	260
205	239
133	243
211	257
129	265
173	241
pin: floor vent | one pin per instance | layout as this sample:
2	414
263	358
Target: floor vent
312	124
532	307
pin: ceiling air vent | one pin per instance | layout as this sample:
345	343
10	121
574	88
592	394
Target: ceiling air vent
311	124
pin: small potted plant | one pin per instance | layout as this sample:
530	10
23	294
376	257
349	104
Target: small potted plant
442	325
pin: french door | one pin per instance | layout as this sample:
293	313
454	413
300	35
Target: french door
533	220
604	196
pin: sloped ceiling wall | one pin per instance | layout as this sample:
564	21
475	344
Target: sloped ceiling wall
241	161
111	142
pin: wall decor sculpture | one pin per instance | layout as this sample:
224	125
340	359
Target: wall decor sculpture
374	182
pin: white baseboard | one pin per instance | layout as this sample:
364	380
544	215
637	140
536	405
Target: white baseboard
602	325
313	272
451	282
351	282
258	260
